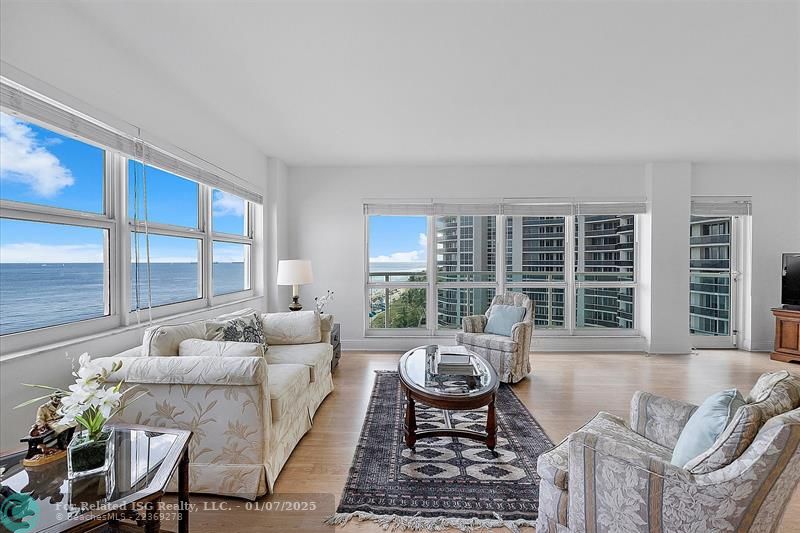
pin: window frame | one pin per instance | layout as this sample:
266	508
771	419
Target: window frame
115	221
569	284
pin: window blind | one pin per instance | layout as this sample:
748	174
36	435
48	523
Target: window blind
40	108
399	209
466	209
517	207
721	205
542	209
636	207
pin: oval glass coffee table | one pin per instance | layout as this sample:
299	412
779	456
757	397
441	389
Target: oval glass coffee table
450	392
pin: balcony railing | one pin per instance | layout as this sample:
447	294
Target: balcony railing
722	264
710	239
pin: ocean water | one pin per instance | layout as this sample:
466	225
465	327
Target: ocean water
38	295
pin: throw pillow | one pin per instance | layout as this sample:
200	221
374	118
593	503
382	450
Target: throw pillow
705	425
201	347
245	328
164	340
502	318
293	327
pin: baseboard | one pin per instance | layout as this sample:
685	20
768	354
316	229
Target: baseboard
758	345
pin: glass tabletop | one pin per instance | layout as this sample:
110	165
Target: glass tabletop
138	461
419	368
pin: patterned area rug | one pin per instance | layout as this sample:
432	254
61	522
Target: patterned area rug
448	482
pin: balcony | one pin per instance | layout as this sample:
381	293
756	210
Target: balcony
719	264
709	239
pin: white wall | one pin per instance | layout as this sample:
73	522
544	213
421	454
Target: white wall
85	67
326	225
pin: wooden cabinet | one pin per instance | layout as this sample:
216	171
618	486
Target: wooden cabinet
787	335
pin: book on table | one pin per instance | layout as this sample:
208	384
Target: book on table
455	360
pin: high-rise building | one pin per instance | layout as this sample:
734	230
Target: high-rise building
710	276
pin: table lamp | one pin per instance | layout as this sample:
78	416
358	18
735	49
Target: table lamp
295	272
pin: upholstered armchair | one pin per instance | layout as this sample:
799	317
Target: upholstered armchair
509	356
611	476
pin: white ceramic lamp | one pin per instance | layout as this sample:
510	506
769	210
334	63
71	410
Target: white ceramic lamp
295	272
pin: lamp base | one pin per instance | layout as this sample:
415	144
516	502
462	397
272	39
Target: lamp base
295	305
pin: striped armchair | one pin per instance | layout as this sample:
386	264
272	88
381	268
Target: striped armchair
610	476
509	356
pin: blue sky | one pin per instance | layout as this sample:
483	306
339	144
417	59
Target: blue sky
43	167
397	239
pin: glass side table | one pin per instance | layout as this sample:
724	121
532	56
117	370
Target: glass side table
144	461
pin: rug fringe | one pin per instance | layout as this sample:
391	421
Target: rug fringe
423	523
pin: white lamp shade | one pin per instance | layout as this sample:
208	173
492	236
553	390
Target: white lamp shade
294	272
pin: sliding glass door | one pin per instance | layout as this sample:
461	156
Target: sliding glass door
712	281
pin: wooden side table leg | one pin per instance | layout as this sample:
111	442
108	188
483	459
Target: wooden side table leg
183	493
491	426
410	422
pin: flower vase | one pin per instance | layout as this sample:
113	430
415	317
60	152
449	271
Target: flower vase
87	456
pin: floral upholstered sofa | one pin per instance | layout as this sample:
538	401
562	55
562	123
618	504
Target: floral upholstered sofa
247	413
610	476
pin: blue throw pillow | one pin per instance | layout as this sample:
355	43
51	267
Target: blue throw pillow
705	425
502	319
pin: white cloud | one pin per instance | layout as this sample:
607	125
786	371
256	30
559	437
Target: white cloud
24	159
227	204
415	256
30	252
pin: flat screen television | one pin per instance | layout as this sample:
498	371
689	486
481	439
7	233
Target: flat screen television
790	292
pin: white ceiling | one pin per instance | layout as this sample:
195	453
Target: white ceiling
479	82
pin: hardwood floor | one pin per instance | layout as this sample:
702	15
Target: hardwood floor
563	391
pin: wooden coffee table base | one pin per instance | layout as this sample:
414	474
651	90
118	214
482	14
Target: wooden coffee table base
411	432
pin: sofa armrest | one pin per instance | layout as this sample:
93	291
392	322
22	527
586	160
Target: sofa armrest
473	324
188	370
521	334
659	419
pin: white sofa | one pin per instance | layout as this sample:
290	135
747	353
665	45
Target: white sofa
246	413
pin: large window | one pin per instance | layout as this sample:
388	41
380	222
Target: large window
397	266
51	274
535	265
54	237
465	266
42	167
579	270
89	234
710	276
605	271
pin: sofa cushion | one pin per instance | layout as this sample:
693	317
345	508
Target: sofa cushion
287	384
486	340
705	425
317	357
774	394
164	340
293	327
243	328
553	465
206	348
503	318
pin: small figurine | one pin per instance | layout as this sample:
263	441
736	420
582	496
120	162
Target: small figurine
321	302
48	438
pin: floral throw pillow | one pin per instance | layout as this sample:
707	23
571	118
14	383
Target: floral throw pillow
245	328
